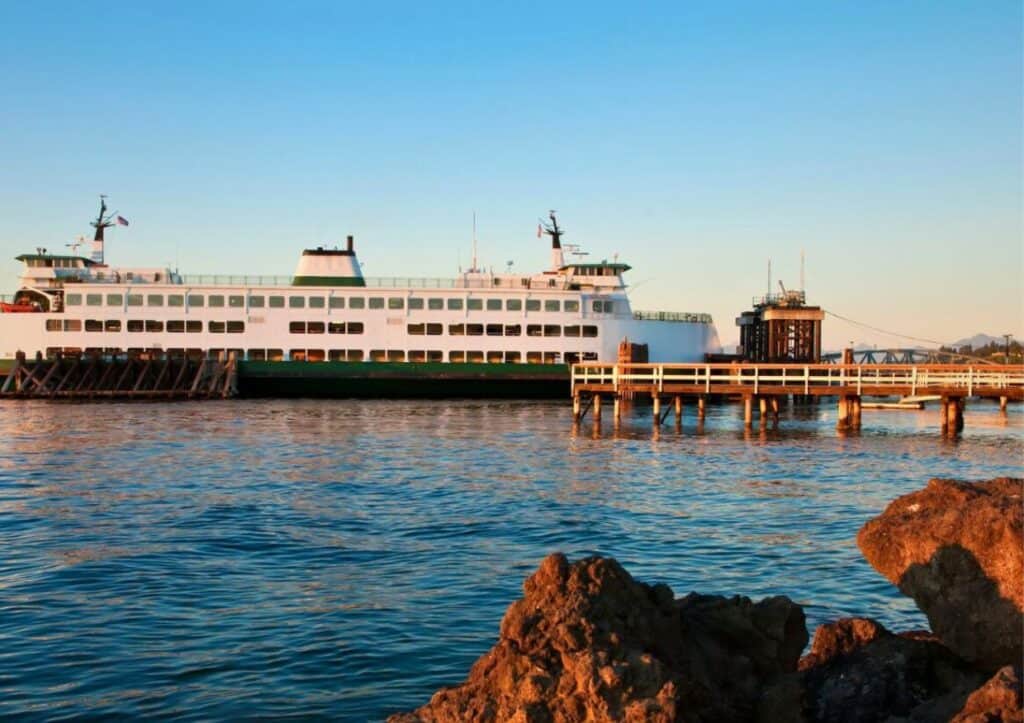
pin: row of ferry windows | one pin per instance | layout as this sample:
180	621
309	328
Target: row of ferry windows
359	355
237	301
147	325
340	327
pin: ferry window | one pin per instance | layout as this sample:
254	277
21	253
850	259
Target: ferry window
378	355
552	330
572	330
435	329
495	357
93	299
93	325
175	300
297	355
134	299
571	305
454	304
435	356
533	357
236	327
513	304
129	275
475	357
474	304
276	302
416	329
552	305
415	303
315	327
355	327
275	354
296	302
154	300
134	325
513	357
337	302
513	330
195	300
73	299
603	307
376	302
154	327
112	325
457	329
533	304
193	327
316	302
357	302
590	331
494	304
494	329
216	327
457	356
216	300
417	355
396	303
115	299
436	304
336	327
257	355
533	330
474	329
72	325
336	355
53	325
355	355
551	357
297	327
396	356
175	327
236	301
256	302
315	355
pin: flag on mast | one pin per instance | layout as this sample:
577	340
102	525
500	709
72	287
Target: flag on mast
122	221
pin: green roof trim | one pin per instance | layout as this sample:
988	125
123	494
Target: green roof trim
26	257
328	281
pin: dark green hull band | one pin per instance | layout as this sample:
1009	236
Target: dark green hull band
328	281
402	380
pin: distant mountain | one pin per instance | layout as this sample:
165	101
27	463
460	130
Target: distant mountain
977	341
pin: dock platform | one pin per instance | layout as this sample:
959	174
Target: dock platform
763	386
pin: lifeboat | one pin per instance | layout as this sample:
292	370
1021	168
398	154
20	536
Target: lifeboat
19	308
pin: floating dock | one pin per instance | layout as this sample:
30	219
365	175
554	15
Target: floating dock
763	386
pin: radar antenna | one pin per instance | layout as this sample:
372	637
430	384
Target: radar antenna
103	220
552	230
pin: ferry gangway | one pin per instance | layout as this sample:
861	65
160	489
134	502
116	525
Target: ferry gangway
766	384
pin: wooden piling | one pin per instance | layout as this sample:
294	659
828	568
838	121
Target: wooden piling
843	413
1002	404
597	409
855	412
748	411
657	410
701	404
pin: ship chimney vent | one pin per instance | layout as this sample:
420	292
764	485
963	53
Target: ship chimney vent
351	241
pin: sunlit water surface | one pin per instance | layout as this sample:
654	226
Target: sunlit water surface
344	559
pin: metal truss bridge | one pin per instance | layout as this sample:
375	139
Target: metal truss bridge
904	356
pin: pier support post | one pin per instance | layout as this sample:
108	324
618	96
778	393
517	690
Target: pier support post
597	409
775	411
679	412
855	412
748	411
1002	404
576	408
616	410
701	402
657	410
952	415
843	413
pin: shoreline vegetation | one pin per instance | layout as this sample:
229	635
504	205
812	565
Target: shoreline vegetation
587	642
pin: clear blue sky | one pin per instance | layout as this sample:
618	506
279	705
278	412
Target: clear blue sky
694	139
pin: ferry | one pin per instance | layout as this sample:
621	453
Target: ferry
327	330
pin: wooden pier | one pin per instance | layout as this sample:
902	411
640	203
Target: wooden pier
764	386
97	376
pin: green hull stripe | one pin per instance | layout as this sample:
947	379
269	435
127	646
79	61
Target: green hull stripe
328	281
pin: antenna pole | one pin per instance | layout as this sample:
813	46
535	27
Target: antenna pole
769	276
474	242
803	287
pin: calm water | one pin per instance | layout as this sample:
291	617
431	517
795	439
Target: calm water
344	559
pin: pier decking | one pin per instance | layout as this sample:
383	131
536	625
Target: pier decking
764	385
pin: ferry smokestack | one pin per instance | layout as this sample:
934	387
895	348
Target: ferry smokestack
351	242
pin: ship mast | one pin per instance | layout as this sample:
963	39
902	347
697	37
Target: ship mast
552	230
103	221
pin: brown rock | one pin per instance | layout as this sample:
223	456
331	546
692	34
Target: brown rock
589	643
957	548
841	637
998	701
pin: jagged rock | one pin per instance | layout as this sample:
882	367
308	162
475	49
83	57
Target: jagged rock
589	643
957	548
859	671
998	701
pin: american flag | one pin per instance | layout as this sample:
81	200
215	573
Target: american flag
122	221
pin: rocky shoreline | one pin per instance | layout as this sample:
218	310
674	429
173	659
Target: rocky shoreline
587	642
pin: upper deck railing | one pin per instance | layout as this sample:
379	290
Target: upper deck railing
680	316
830	379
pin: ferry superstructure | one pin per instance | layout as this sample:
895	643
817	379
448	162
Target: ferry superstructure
328	324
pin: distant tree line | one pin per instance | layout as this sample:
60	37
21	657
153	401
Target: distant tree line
994	351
